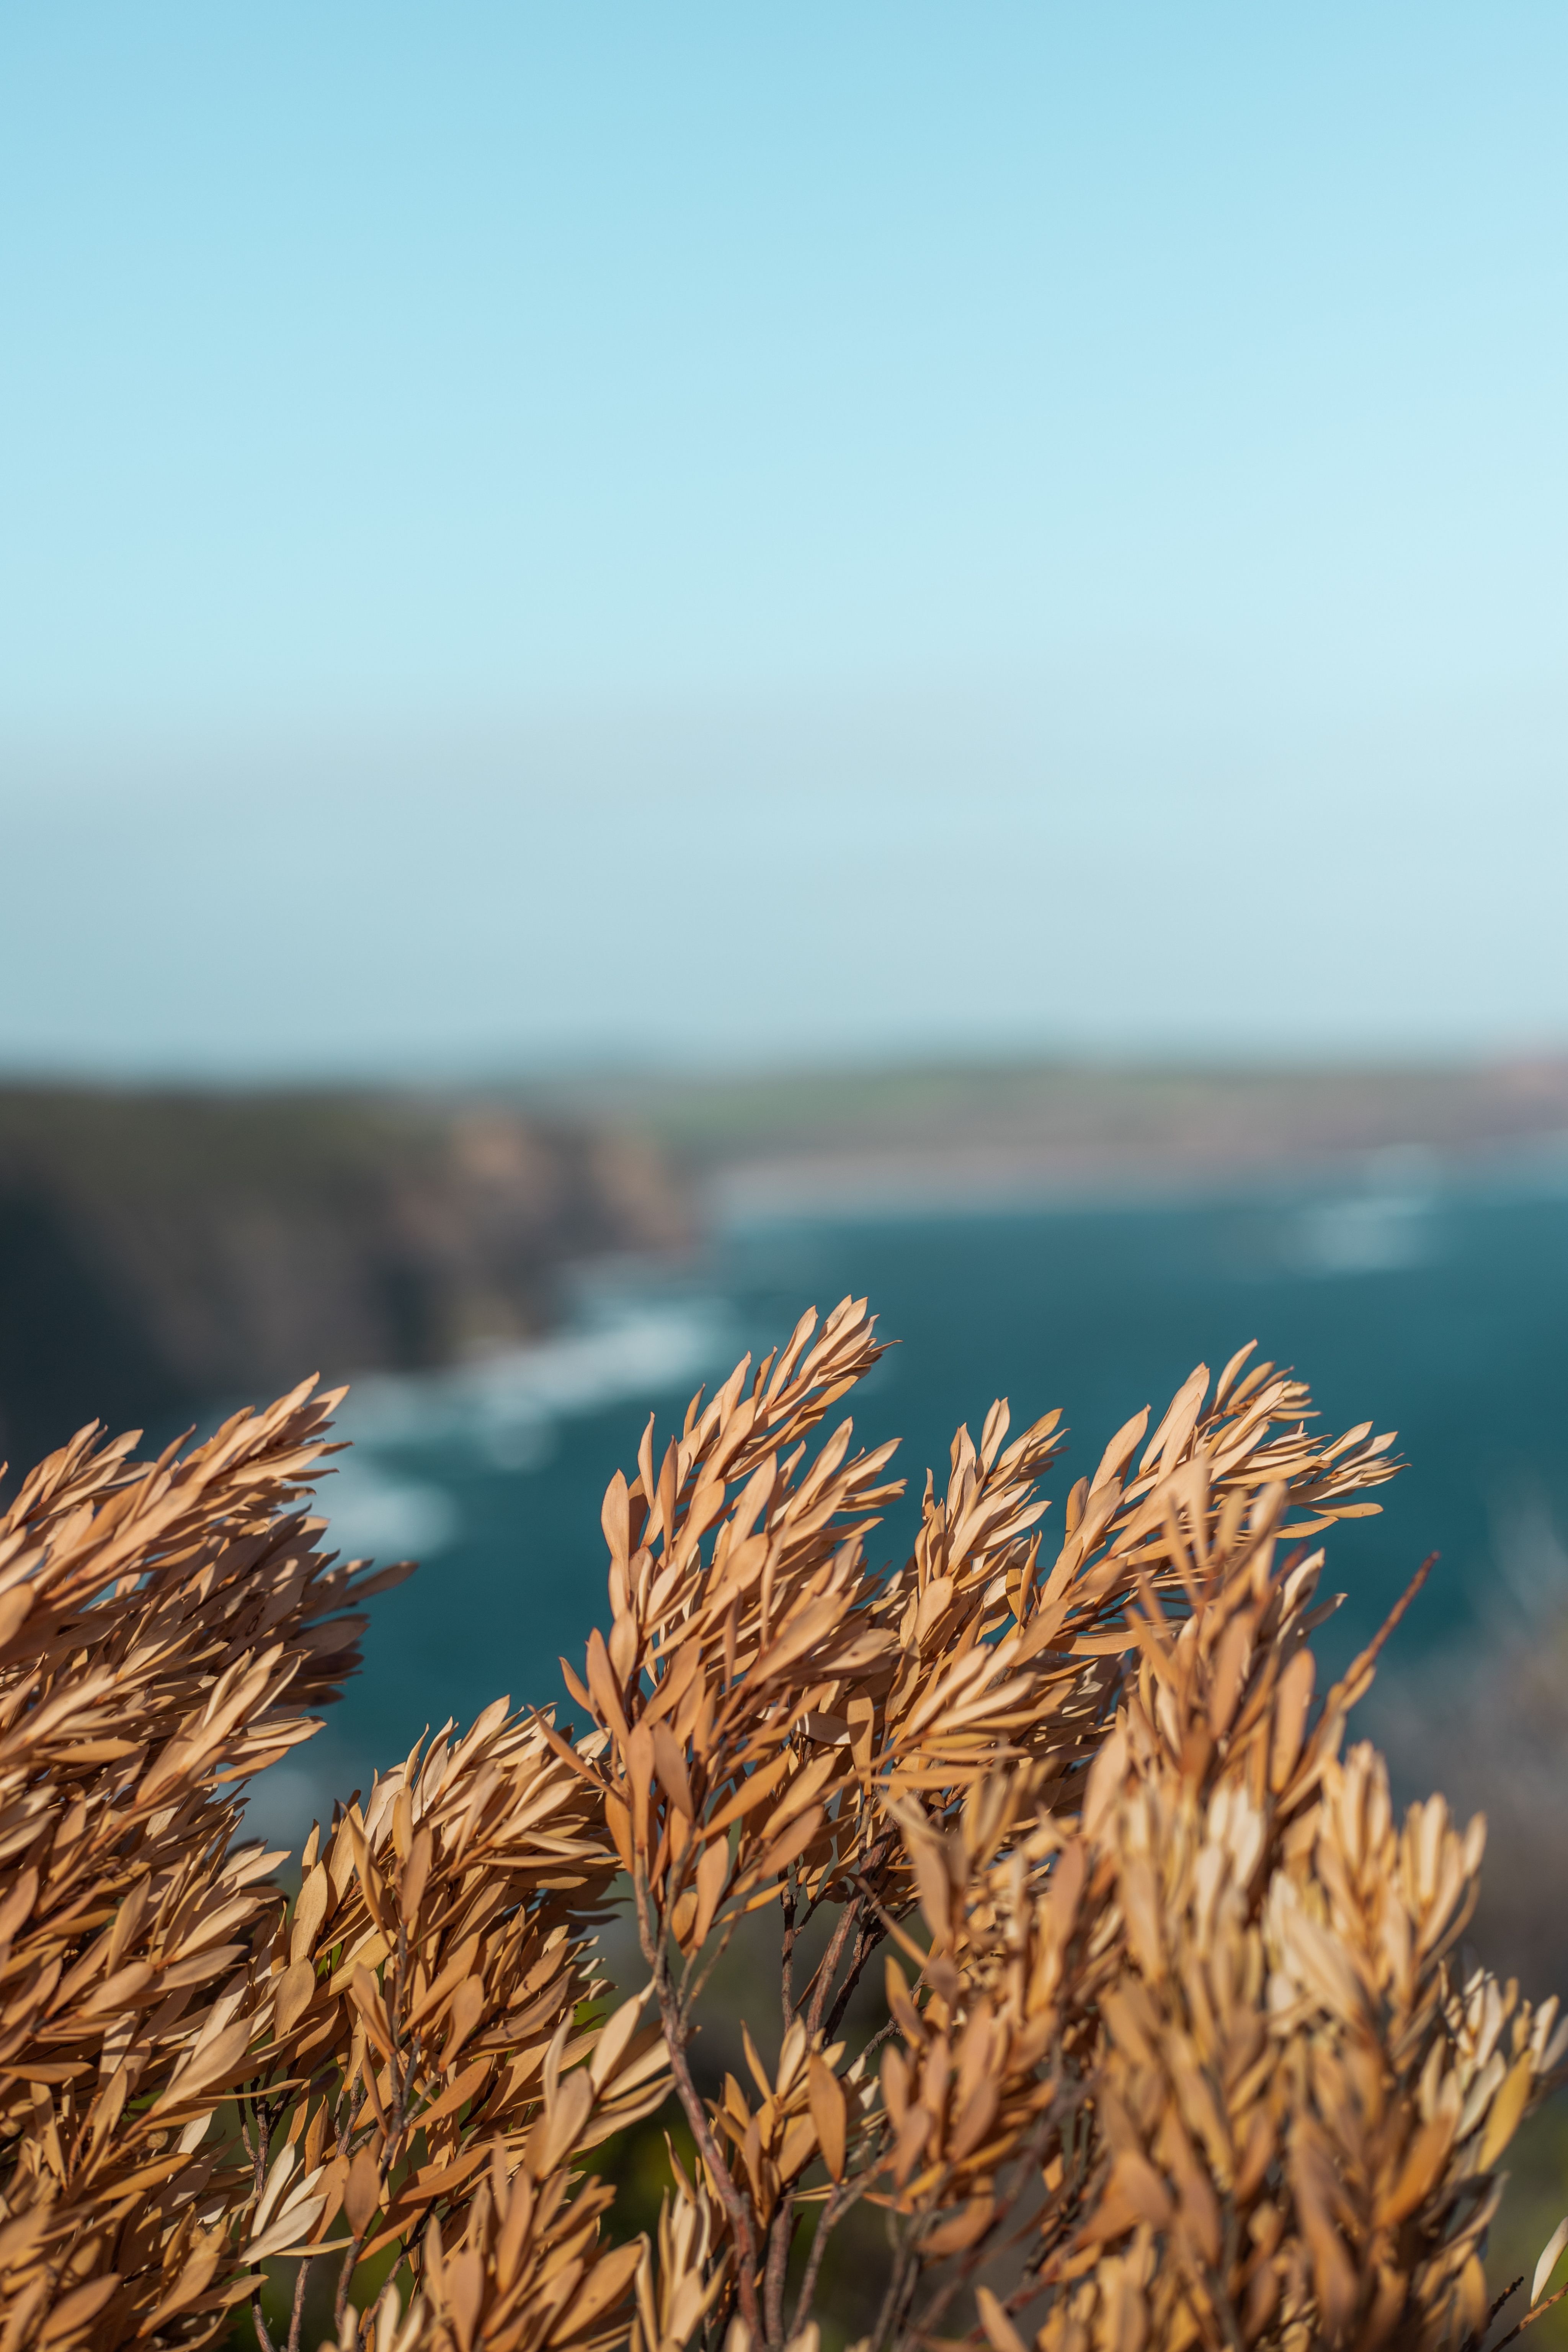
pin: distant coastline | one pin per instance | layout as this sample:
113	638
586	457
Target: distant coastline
967	1135
160	1249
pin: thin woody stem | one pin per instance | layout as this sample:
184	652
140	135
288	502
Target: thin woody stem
297	2318
672	2016
822	1983
786	1953
1529	2318
692	1988
735	2209
673	2019
345	2278
845	2193
779	2237
900	2286
869	1939
258	2177
400	2071
781	2234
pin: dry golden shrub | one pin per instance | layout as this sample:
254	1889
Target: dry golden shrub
164	1631
1175	2047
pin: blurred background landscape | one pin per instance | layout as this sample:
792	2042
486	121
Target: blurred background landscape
654	667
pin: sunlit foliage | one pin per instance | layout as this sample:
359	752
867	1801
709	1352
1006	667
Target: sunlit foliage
1173	2047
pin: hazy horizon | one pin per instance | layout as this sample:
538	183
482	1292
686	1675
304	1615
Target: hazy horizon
533	536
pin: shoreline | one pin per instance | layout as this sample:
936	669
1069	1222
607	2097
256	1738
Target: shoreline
852	1188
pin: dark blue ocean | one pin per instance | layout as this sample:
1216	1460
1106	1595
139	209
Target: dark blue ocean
1424	1301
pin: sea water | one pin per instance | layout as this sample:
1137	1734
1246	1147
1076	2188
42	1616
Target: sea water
1423	1300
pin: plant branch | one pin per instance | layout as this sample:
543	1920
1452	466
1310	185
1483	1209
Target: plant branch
868	1937
691	1991
845	2193
780	2234
259	2324
895	2302
786	1953
297	2318
1539	2312
345	2277
736	2210
821	1984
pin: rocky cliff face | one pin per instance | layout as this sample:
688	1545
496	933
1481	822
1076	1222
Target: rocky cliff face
159	1252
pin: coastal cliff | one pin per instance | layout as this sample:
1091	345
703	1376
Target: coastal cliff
160	1251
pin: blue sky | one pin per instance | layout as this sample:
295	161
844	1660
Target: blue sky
746	531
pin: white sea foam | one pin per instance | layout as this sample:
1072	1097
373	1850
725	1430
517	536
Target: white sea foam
377	1516
1389	1223
1364	1236
503	1409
